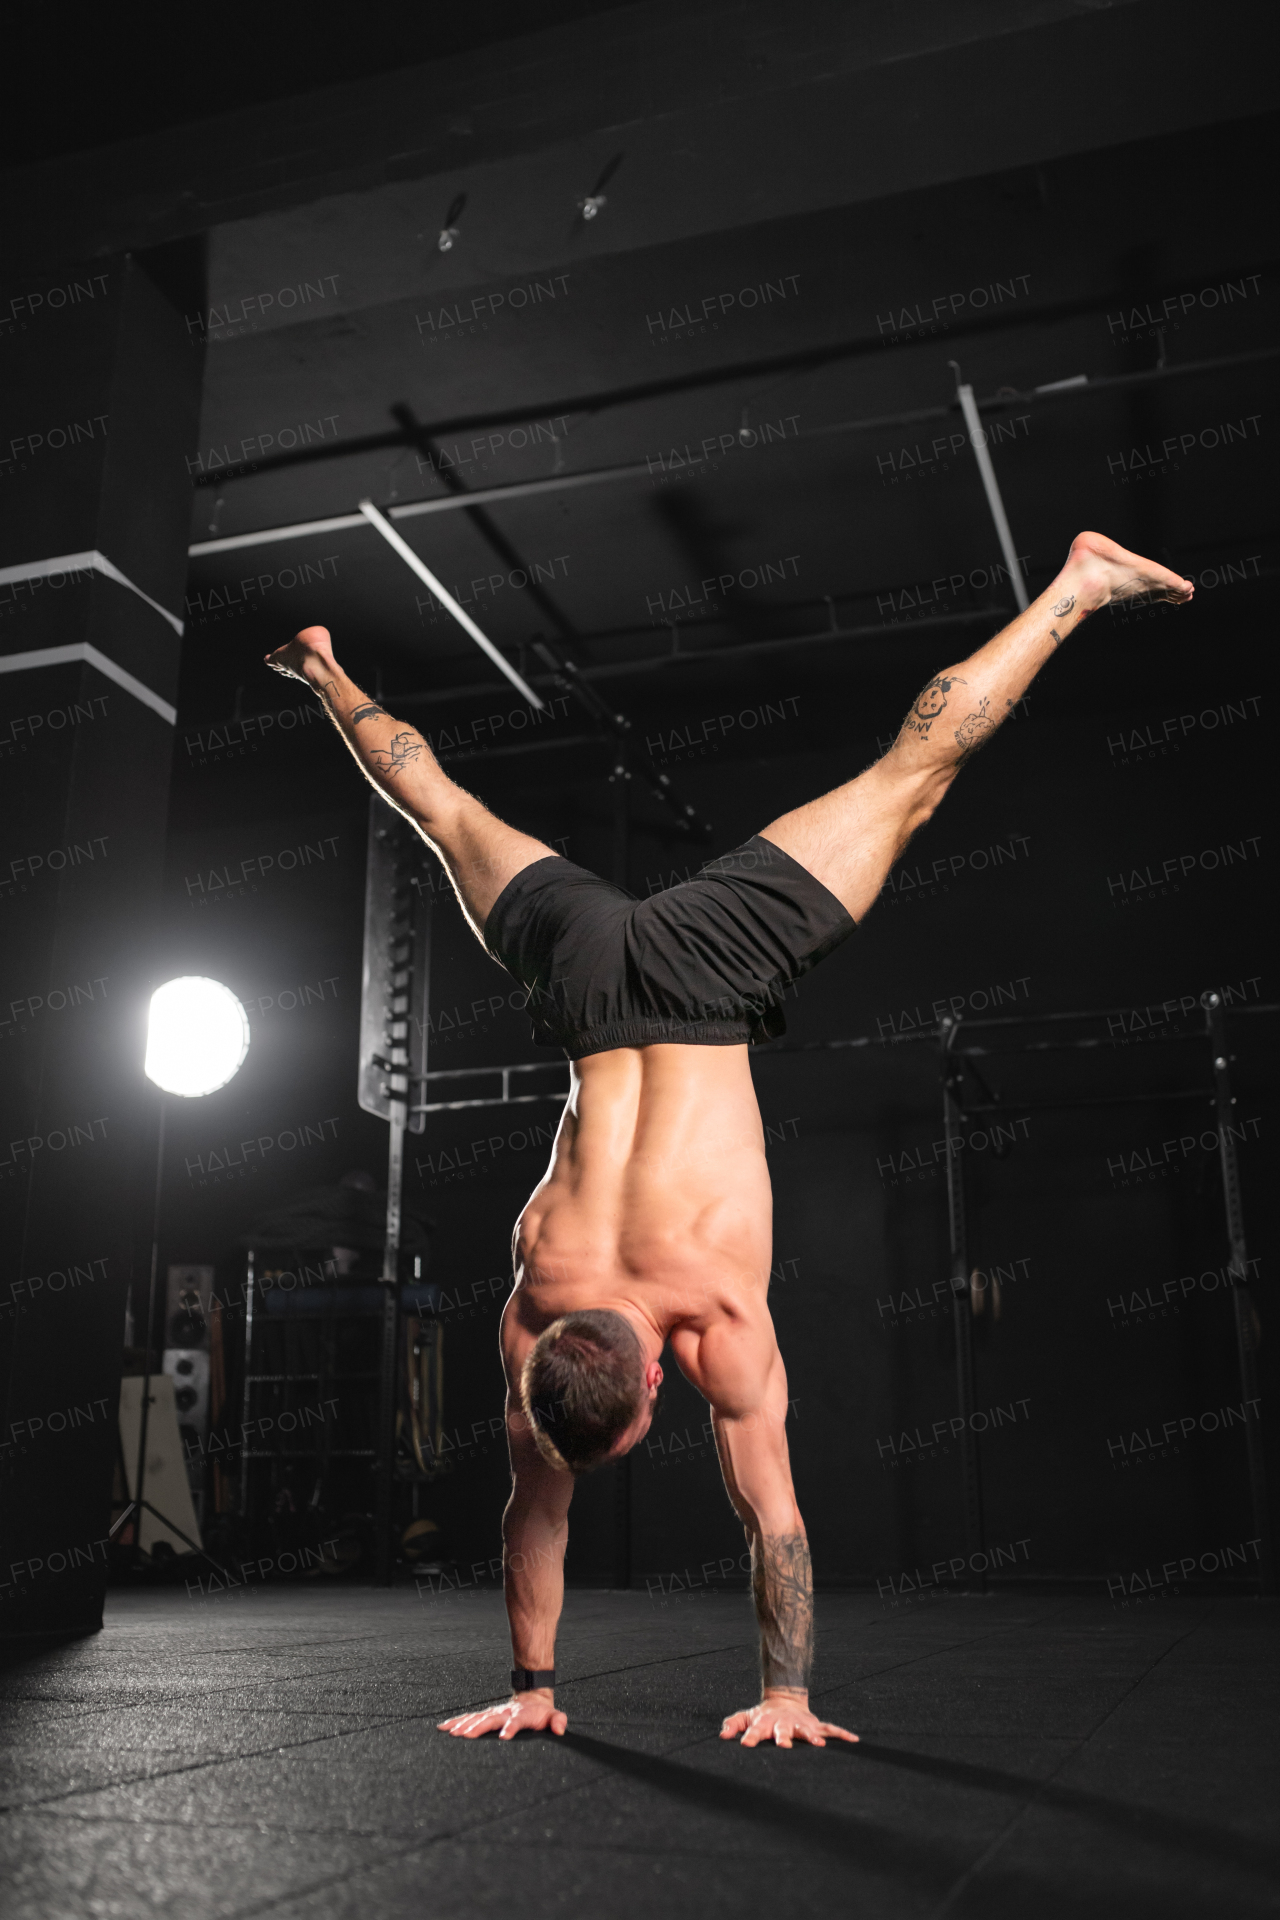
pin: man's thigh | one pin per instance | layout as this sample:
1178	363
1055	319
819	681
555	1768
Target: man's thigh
480	853
849	838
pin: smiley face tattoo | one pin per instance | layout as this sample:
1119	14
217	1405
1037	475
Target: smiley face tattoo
930	704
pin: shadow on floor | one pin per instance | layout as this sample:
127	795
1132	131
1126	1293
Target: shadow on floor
1136	1823
927	1865
922	1863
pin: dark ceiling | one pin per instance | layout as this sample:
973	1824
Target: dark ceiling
115	83
734	340
810	214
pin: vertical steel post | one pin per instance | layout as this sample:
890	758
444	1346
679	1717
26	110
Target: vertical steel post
1241	1301
961	1308
246	1383
399	1013
621	781
390	1330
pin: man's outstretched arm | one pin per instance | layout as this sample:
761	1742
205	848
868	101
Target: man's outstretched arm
535	1533
751	1440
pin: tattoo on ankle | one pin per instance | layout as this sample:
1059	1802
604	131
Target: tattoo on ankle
1063	608
404	747
782	1587
930	704
369	711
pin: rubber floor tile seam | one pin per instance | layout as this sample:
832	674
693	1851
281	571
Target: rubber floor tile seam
1020	1813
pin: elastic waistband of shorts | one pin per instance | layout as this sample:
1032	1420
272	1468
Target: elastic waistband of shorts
649	1031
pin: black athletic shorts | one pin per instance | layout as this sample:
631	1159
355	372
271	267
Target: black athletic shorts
704	963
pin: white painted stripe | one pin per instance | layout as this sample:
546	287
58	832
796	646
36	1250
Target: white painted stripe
81	650
94	562
446	599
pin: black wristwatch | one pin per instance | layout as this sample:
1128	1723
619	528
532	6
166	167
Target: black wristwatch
524	1678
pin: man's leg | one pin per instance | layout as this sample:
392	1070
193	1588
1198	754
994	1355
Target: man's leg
480	853
850	838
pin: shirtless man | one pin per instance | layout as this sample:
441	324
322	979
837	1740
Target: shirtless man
652	1225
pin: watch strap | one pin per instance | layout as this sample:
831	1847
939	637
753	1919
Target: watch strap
523	1679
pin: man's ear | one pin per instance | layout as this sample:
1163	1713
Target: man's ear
652	1377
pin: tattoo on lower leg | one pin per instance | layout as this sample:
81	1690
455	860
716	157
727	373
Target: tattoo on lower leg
1063	607
369	711
930	704
404	748
974	729
782	1587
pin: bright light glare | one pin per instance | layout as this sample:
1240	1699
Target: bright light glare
197	1036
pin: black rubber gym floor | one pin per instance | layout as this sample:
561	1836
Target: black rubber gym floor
276	1753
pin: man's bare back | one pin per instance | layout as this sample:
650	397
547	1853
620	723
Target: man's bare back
656	1203
656	1208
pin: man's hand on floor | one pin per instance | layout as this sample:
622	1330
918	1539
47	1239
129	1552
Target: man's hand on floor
535	1710
782	1718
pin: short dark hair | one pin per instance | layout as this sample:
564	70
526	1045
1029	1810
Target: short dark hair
581	1387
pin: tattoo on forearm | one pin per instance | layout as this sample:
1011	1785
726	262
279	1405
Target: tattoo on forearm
1055	636
930	704
370	711
782	1588
1063	607
404	748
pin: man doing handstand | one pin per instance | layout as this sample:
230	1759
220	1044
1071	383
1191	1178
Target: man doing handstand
652	1225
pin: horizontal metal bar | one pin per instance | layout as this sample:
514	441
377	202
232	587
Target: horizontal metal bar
601	739
289	1379
515	1100
996	1020
523	489
469	1073
1085	1100
333	1453
411	509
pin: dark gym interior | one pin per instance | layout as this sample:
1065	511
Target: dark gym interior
651	330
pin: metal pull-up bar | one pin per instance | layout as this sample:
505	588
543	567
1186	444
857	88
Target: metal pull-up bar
447	601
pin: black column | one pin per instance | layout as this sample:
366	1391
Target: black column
101	399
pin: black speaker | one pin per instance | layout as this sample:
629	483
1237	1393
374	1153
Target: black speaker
186	1321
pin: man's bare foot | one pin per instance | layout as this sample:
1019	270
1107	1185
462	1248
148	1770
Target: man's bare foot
308	656
1106	572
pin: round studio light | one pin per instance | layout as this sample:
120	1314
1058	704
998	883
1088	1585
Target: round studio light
197	1036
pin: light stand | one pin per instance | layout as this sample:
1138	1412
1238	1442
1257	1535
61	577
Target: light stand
139	1504
197	1038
